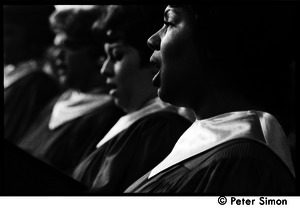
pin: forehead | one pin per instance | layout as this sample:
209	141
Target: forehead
180	13
172	9
180	10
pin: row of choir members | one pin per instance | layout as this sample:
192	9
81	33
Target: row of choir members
107	128
69	126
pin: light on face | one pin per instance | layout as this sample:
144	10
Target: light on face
59	39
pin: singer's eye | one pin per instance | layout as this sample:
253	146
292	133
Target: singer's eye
117	55
168	23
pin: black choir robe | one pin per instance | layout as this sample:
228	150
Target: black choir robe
248	154
131	153
24	100
65	146
228	169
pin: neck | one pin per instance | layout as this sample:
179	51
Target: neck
143	92
140	103
222	102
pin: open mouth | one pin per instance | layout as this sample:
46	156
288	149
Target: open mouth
61	66
62	70
155	63
112	88
155	72
156	80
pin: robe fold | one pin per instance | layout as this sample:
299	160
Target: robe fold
131	153
27	90
235	153
65	139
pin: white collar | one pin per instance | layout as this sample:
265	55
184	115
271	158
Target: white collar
124	122
73	104
14	73
208	133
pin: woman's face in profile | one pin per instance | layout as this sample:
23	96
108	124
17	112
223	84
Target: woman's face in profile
74	61
122	70
176	56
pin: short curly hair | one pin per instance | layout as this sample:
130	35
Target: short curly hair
76	22
133	24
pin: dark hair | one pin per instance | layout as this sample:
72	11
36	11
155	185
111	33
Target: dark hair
133	24
76	22
34	20
250	48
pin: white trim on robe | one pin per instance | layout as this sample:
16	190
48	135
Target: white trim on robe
14	73
208	133
126	121
73	104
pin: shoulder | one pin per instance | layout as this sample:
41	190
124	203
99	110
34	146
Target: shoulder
242	153
157	125
162	118
242	148
245	165
109	106
39	81
43	77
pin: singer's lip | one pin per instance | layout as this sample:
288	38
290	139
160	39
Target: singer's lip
112	88
155	63
154	71
62	71
111	85
156	80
